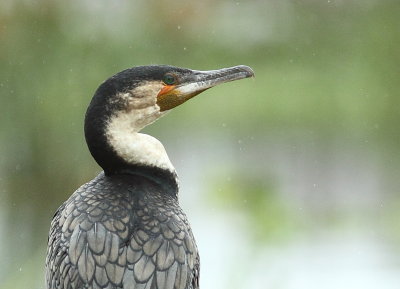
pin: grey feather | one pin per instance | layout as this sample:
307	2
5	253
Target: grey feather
171	275
101	260
181	277
114	248
143	236
133	256
179	253
122	256
96	238
152	245
75	220
150	284
143	269
165	256
161	277
86	265
126	247
167	232
134	245
67	223
129	281
101	277
86	225
115	273
77	243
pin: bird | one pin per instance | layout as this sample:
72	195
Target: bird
125	229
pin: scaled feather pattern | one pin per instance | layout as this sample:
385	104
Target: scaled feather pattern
121	232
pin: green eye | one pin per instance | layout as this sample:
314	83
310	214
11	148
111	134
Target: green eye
169	79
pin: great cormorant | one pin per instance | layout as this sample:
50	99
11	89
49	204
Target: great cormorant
125	229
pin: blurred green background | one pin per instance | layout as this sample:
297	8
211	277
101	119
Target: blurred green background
290	180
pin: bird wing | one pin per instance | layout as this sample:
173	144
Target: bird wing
89	246
164	260
59	270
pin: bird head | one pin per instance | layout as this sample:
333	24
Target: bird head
134	98
145	93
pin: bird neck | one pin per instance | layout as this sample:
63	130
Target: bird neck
136	148
139	149
118	147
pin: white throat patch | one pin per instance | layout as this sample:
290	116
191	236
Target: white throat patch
137	148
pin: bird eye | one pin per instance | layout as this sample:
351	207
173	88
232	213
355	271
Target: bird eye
169	79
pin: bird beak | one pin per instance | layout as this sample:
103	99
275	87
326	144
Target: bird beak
195	82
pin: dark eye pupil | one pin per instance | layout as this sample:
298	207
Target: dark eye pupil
169	79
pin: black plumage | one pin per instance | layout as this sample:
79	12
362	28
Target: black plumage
125	229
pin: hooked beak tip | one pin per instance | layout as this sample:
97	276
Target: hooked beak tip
247	70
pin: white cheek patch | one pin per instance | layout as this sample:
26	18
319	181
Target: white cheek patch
147	88
140	97
136	148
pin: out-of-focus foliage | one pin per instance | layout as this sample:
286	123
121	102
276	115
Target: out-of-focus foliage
326	72
266	217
